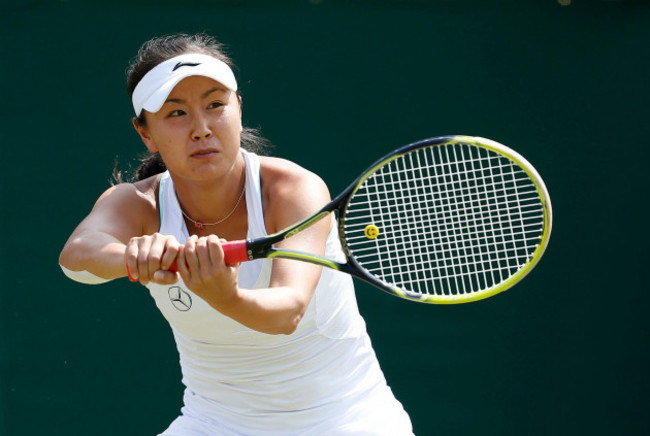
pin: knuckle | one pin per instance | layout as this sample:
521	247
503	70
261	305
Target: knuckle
172	243
142	256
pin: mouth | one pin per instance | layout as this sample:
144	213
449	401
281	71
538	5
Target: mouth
204	153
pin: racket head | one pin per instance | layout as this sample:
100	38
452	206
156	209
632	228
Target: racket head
446	220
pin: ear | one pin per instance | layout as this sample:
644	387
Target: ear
144	135
239	100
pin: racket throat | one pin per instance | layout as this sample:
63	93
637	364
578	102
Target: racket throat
305	257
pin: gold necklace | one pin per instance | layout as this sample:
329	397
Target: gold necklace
199	225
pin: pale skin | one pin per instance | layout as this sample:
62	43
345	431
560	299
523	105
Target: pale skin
197	133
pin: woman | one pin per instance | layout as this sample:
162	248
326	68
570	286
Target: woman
266	347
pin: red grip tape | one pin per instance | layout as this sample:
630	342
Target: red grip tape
233	252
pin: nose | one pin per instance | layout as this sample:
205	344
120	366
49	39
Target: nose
201	128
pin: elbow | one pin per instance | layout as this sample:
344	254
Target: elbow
71	256
288	323
273	311
291	325
295	315
286	329
65	258
293	320
286	326
71	264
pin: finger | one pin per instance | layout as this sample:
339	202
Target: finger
156	250
164	277
215	250
172	248
203	255
131	260
189	253
180	263
144	245
181	266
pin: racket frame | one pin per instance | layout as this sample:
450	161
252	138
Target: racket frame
263	247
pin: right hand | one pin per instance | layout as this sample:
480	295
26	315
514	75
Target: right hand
149	257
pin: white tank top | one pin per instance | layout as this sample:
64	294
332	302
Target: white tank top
275	381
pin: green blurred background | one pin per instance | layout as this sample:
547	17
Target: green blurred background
334	85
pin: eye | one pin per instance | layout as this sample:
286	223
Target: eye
176	113
215	105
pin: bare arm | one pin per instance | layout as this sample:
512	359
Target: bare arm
119	219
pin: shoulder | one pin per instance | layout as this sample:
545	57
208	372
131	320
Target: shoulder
141	192
289	192
136	202
281	174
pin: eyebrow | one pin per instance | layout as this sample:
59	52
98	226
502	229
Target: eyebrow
204	95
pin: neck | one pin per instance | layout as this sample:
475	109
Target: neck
212	201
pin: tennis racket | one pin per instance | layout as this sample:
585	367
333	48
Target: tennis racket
451	219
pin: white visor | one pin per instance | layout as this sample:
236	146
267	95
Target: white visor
153	89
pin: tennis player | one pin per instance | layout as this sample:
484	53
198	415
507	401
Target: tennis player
267	347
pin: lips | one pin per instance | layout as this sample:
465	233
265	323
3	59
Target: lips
204	153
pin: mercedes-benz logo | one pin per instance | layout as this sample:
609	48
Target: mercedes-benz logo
180	299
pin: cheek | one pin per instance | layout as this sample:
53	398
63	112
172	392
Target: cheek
165	141
231	125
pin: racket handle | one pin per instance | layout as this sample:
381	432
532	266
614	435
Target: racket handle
233	252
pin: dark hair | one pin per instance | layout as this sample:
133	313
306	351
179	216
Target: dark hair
158	50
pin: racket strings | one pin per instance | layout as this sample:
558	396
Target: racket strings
452	219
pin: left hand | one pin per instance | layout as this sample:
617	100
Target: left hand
202	267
